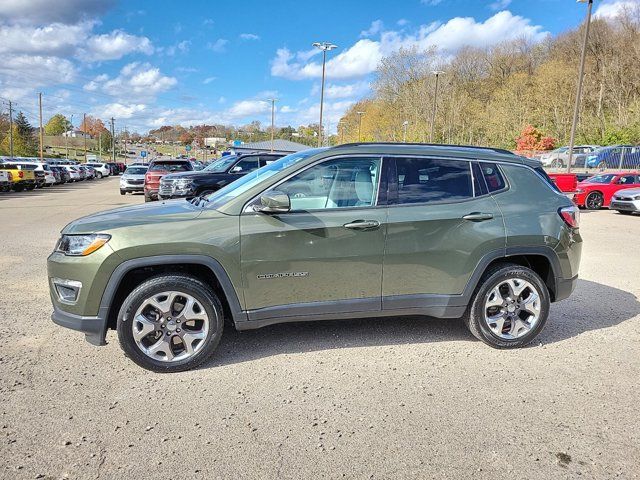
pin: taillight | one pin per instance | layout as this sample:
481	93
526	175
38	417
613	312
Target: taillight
570	215
20	174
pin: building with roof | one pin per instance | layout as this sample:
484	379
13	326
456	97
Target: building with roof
279	145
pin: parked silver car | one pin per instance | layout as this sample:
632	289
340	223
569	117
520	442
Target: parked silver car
132	180
626	201
559	157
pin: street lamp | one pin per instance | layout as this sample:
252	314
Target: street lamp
405	124
273	116
324	46
437	73
576	108
66	140
360	114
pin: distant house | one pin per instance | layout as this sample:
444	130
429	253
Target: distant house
279	145
76	134
214	141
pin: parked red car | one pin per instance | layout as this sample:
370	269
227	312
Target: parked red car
157	170
596	192
567	183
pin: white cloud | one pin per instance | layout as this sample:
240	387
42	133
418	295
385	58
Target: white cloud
249	36
118	110
499	4
374	29
180	47
349	90
431	3
219	46
114	45
402	22
54	39
136	82
208	80
30	71
612	9
364	56
43	11
248	108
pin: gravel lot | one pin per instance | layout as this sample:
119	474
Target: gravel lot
384	398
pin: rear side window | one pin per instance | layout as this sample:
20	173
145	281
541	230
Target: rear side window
479	185
492	176
170	167
427	180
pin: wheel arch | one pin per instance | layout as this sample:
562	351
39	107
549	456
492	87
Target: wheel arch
131	273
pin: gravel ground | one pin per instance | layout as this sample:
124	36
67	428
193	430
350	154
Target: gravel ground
383	398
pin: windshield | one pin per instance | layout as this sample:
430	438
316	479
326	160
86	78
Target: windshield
221	166
135	171
252	179
170	167
606	178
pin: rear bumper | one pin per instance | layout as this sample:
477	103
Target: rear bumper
565	287
94	328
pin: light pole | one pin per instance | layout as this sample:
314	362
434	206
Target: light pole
405	124
437	74
66	138
360	114
576	108
324	46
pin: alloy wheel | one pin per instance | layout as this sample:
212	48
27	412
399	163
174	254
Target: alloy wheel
594	201
512	308
170	326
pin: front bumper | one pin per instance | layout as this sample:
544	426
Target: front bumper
625	205
94	328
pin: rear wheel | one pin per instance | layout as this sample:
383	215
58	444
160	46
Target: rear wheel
509	308
99	174
594	201
170	323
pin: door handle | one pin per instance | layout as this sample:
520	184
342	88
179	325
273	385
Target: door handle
362	225
478	216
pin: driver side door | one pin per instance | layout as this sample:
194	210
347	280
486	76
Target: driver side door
323	256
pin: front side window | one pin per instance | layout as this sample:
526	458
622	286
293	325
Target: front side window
338	183
428	180
245	165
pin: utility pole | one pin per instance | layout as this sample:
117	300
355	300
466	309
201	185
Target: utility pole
66	137
113	139
100	146
576	108
273	116
360	114
41	131
437	73
84	134
10	130
125	145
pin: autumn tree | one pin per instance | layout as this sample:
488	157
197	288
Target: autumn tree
57	125
92	126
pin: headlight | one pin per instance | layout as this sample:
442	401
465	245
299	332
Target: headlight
81	245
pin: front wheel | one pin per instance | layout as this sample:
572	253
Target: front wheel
123	192
594	201
170	323
99	174
510	307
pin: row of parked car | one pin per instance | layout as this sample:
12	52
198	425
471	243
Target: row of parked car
594	156
616	190
27	173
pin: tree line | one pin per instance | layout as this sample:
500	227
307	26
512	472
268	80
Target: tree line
490	96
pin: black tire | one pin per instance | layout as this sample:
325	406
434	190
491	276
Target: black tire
123	192
31	187
474	317
594	201
624	212
147	198
99	174
178	282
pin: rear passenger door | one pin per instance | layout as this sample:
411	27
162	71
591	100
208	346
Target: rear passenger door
441	221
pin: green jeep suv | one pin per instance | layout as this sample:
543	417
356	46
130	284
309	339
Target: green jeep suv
359	230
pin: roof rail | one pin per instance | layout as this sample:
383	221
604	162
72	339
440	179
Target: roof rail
497	150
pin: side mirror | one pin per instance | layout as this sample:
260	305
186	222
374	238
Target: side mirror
236	169
273	202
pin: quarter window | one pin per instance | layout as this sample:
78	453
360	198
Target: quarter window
426	180
492	176
339	183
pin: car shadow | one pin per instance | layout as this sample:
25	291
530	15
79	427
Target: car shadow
52	190
592	306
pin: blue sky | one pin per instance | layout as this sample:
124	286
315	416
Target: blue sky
149	63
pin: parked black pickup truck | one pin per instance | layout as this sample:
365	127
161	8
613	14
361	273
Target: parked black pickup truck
213	177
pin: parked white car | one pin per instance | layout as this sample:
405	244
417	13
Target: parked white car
49	177
133	179
559	157
102	169
626	201
5	181
74	175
